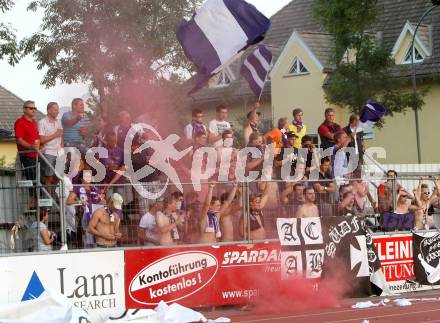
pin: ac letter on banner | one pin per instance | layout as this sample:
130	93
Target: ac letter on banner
311	231
287	232
291	264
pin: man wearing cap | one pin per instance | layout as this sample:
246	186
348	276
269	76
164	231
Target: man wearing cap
253	119
288	154
105	223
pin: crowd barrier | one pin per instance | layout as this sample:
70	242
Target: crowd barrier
68	221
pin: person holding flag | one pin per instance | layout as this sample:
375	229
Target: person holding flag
371	114
358	142
217	33
251	126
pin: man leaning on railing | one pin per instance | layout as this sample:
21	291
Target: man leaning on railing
28	138
51	133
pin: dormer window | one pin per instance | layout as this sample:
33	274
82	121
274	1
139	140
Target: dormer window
402	51
418	57
224	78
298	68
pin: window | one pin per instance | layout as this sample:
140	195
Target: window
223	79
418	58
298	68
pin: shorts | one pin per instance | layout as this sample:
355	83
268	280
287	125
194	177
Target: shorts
30	172
49	171
29	167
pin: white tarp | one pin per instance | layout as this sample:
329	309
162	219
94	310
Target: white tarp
50	307
53	307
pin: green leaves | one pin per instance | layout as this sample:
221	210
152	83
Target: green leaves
109	44
8	42
372	74
6	5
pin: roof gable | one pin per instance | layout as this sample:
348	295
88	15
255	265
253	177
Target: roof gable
296	37
11	108
422	40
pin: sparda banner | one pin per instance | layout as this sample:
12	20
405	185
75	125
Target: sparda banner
199	276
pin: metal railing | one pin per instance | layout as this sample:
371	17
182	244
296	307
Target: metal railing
245	221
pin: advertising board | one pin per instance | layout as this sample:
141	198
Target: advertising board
94	281
396	257
199	276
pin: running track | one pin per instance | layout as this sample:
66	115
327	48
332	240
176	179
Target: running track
424	310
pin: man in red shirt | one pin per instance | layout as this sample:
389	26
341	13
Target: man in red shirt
28	138
328	129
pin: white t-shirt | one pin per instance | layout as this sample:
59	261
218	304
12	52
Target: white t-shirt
148	222
39	244
47	127
217	128
340	163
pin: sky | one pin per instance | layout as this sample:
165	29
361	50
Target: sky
24	79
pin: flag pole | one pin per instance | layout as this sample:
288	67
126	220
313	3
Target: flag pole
264	83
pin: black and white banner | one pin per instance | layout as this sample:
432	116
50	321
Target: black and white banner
426	251
331	247
302	247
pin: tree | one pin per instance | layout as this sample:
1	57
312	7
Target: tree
369	71
8	42
126	50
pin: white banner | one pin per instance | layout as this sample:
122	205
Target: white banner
93	281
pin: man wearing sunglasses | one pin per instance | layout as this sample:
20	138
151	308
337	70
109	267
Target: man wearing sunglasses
28	140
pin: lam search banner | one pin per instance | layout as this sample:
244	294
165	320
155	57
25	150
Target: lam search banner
92	281
199	276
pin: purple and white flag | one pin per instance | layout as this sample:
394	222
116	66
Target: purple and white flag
217	33
371	114
256	67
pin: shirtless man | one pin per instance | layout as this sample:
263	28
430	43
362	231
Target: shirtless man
402	206
226	151
169	222
309	208
212	212
425	215
257	202
227	220
346	206
105	221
